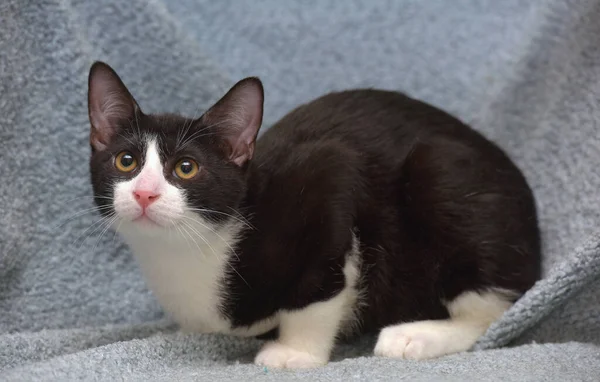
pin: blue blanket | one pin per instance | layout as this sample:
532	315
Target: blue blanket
74	306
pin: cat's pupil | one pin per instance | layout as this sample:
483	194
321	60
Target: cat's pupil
126	160
186	167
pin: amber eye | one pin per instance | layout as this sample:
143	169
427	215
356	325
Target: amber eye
125	162
186	169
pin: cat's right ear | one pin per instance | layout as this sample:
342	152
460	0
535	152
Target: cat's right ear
109	104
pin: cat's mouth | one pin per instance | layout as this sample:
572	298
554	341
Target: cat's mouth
146	220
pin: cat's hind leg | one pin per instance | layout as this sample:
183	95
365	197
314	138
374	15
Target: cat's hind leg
471	313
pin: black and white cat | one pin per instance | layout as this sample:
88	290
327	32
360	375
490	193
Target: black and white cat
361	211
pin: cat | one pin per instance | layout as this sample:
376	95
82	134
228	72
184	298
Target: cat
363	211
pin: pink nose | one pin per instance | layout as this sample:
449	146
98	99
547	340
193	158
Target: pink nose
145	198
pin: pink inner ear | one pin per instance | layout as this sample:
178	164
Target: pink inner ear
243	149
239	115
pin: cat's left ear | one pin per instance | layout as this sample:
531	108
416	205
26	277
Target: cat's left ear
238	116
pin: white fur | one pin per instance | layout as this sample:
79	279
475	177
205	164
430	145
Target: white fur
471	314
167	210
184	258
307	336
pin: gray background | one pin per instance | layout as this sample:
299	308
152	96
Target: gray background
72	303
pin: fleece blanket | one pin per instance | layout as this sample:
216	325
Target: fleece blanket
73	305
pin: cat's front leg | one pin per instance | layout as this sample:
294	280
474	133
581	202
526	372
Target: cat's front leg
306	336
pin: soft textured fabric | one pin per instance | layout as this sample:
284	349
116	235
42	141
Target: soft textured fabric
72	303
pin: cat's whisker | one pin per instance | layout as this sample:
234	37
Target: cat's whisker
243	221
220	123
137	135
106	227
197	134
195	242
213	231
194	230
223	240
197	137
86	233
238	213
102	228
191	137
69	203
137	123
215	253
87	197
205	128
116	230
171	225
79	214
172	216
127	139
186	127
181	231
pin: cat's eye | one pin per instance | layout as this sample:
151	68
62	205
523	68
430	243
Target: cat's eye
125	162
186	169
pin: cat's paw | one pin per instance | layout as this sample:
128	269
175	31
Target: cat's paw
280	356
417	341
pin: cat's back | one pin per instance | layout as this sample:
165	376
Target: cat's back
383	125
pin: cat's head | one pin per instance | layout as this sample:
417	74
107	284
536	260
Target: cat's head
153	172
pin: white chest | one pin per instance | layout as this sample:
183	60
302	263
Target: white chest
187	274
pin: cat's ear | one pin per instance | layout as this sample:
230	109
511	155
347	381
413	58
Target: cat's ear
238	116
109	104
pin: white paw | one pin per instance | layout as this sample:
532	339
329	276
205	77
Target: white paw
418	340
280	356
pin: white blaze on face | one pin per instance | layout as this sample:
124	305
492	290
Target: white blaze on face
169	204
151	178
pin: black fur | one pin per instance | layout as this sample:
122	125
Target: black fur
438	209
